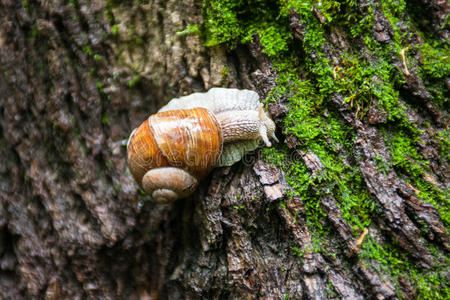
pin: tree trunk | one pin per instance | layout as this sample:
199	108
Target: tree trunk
352	203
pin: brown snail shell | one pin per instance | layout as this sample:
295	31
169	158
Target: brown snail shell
189	140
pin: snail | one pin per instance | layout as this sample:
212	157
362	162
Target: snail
170	152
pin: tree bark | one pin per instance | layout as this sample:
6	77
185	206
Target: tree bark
78	76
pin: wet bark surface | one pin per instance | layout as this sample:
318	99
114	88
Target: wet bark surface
73	224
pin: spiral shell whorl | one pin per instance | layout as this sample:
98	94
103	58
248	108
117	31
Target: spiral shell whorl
143	153
186	140
190	139
168	184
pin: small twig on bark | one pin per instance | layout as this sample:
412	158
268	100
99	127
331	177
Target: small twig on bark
405	67
355	248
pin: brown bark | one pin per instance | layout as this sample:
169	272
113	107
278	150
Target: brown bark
73	224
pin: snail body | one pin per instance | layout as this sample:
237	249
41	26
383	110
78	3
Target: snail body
170	152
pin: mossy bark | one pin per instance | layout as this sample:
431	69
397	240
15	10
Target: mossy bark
351	204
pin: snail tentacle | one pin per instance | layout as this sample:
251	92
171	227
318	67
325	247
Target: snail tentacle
263	135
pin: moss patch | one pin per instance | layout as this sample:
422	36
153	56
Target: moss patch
361	77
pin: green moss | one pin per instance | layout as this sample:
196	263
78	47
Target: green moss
74	3
115	29
100	86
410	165
364	79
105	119
224	73
274	37
222	22
134	81
394	11
298	252
436	59
34	32
331	292
435	53
239	207
190	29
443	139
87	49
232	22
429	284
435	68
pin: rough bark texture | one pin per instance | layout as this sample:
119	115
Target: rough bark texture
78	76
